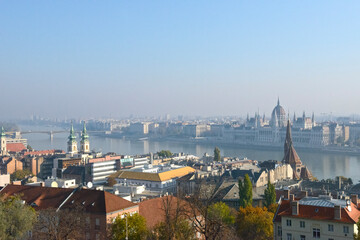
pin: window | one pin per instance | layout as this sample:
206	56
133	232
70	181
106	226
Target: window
97	224
302	237
316	232
279	231
346	229
330	228
302	224
289	236
288	222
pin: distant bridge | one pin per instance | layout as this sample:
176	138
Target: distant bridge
51	133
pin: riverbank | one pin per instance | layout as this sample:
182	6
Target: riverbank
220	142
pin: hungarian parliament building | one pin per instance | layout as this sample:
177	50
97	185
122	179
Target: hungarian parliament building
305	131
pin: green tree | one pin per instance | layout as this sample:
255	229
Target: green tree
16	217
270	195
165	153
357	236
182	230
20	174
217	156
254	223
136	227
245	192
221	212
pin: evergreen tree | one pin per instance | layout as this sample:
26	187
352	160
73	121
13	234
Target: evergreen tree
245	192
270	195
217	157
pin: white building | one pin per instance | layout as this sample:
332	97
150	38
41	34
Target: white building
316	218
154	179
60	183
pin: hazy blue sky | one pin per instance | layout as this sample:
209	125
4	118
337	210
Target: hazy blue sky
93	58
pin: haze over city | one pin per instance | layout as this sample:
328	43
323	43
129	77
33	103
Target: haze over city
116	58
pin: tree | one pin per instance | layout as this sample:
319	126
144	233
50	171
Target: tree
245	192
16	217
111	181
175	224
62	224
222	220
217	157
20	174
254	223
211	220
270	195
183	230
221	212
132	226
357	236
165	153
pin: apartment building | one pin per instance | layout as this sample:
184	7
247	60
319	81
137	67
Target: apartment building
316	218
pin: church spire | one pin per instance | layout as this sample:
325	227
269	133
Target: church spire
84	134
72	144
2	131
85	143
72	134
288	139
3	149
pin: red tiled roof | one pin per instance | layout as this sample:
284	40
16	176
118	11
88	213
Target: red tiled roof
94	201
43	197
98	201
15	147
322	213
43	152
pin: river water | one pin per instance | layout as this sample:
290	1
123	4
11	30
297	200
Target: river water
322	165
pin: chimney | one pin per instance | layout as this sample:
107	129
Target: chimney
354	199
337	212
287	194
295	207
304	193
339	183
292	197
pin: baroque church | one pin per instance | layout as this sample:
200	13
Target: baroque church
300	171
84	143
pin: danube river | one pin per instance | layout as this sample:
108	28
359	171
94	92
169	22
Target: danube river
322	165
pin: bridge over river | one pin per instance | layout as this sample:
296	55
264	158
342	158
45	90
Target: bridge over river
51	133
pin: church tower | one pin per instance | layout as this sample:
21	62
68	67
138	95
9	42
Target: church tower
72	144
3	142
84	143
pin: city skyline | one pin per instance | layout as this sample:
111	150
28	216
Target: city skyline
117	58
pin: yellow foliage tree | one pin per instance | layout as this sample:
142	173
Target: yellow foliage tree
254	223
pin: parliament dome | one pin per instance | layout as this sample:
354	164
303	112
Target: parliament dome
278	116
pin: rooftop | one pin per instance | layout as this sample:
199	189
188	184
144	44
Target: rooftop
156	177
94	201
